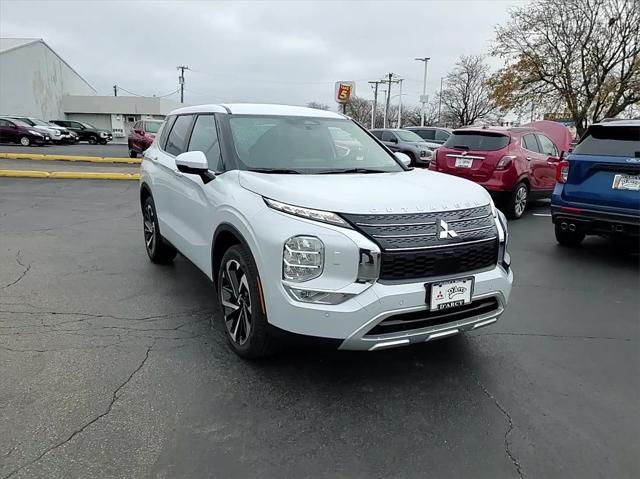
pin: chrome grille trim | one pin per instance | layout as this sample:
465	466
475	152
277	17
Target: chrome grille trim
449	245
420	235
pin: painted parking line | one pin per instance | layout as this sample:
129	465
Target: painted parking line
69	175
90	159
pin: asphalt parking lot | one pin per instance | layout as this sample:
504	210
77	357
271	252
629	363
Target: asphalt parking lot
79	149
110	369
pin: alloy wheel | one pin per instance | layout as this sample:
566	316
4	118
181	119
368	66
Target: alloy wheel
236	302
24	141
149	229
520	200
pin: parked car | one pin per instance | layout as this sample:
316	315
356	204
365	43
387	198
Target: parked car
406	142
16	131
303	242
431	134
515	164
86	131
58	134
598	185
141	136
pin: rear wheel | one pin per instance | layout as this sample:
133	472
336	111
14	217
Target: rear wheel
566	237
133	154
25	141
241	301
517	202
158	249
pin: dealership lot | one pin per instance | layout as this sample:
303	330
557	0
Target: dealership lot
79	149
110	368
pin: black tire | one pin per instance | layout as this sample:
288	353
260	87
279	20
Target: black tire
133	154
25	141
159	251
103	142
414	159
515	205
245	322
93	139
567	237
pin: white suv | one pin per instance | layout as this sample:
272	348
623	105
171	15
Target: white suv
310	228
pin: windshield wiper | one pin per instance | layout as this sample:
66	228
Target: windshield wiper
284	171
460	147
352	170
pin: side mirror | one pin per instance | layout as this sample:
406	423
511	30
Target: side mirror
194	163
562	155
405	159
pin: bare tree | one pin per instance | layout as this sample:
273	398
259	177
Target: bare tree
466	97
578	56
317	105
411	114
359	109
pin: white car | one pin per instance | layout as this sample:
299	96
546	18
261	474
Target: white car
305	238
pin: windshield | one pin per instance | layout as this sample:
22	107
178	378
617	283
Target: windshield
406	135
20	122
479	141
39	122
87	125
610	141
306	145
152	126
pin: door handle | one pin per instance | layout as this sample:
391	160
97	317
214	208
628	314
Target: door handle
528	158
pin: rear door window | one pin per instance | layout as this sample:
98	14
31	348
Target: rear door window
530	143
610	141
177	141
476	140
387	136
425	134
166	128
442	135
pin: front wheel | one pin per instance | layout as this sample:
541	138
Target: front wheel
103	142
517	201
93	140
25	141
158	249
245	320
566	237
133	154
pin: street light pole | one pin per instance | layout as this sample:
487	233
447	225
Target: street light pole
440	100
423	98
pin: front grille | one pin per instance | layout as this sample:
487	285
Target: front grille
426	319
438	262
412	246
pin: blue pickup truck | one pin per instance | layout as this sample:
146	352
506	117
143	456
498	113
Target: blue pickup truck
598	185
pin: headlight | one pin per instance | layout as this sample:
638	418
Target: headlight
33	132
103	134
302	258
317	215
55	132
503	233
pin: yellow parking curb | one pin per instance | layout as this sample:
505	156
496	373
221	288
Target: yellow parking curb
69	175
91	159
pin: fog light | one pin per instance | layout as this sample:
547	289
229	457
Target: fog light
317	297
302	258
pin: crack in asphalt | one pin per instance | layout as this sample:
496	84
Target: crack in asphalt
507	416
114	398
22	275
559	336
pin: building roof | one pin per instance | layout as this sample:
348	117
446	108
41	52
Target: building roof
117	105
259	109
10	44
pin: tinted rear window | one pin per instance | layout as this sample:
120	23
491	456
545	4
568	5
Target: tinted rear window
611	141
474	140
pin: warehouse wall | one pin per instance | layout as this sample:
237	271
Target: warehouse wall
33	80
96	119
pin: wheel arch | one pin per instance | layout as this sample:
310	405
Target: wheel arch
225	236
145	192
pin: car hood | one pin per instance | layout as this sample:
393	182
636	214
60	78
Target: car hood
403	192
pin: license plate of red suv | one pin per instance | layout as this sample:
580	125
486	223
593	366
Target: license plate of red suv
626	182
450	294
464	162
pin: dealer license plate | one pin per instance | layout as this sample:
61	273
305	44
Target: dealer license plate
626	182
464	162
450	294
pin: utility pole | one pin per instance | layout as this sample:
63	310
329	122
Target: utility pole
181	81
386	110
399	125
374	109
115	90
440	100
384	115
423	98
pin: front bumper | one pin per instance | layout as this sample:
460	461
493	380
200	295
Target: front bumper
355	323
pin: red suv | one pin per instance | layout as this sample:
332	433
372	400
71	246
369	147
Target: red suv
514	164
141	136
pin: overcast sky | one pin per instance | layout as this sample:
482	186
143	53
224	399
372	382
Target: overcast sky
263	51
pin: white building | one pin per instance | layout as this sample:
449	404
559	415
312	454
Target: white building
36	81
34	78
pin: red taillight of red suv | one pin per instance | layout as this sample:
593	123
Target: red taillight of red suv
505	162
562	171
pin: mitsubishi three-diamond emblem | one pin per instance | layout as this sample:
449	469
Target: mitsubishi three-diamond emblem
444	231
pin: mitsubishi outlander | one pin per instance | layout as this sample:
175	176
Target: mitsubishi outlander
309	237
